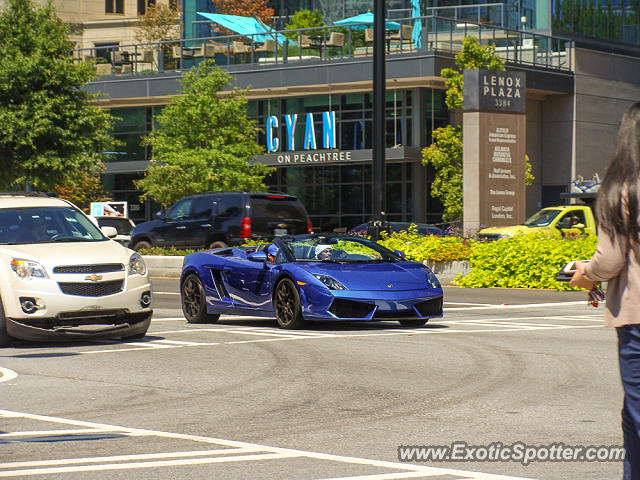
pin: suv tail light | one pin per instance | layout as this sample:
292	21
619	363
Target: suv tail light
245	227
309	227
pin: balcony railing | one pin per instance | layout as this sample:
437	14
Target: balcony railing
328	44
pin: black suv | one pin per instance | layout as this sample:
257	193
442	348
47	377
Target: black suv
219	219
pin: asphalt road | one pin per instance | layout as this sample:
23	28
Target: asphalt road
242	399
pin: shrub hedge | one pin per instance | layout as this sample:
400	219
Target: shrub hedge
524	261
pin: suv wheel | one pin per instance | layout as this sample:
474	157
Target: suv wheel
141	244
5	339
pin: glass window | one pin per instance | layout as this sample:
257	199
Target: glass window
129	119
202	207
352	199
229	206
181	210
114	6
351	173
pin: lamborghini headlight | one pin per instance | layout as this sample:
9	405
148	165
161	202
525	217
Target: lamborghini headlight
331	283
136	265
432	281
27	269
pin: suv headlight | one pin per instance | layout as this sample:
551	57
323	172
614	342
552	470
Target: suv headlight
136	265
27	269
331	283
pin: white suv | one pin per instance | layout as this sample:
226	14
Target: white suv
62	278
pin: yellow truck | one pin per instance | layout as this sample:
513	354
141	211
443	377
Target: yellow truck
558	221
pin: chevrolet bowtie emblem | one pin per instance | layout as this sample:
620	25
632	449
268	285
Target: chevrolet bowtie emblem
282	225
93	278
389	285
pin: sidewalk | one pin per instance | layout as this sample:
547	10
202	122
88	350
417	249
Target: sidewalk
171	266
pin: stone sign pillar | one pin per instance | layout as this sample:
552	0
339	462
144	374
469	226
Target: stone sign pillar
494	146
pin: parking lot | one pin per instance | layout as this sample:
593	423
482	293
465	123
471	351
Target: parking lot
244	399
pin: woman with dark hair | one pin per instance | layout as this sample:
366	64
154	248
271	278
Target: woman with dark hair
617	261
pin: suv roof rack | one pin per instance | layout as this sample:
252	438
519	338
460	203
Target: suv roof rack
23	194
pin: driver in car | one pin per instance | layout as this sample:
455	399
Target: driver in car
272	251
323	252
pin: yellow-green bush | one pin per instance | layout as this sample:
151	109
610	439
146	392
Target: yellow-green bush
524	261
419	248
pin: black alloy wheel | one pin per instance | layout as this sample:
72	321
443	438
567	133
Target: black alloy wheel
194	303
287	305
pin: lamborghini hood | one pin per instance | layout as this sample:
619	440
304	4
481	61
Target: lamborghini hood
375	276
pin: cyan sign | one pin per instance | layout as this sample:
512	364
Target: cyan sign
309	142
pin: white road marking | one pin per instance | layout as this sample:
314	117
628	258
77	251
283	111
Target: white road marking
7	374
44	433
121	458
474	304
155	464
166	293
525	305
249	451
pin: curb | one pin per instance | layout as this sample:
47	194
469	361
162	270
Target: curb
171	266
163	265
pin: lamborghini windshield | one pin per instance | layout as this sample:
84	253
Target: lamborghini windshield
339	249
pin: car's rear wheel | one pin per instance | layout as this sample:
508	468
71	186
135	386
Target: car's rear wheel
194	303
287	305
139	245
217	244
5	339
418	322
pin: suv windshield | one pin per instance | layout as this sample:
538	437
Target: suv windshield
46	225
541	218
341	249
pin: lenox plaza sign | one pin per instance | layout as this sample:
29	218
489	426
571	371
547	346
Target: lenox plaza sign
274	143
494	148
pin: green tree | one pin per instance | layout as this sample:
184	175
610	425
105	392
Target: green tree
82	189
50	128
445	153
303	19
203	141
472	55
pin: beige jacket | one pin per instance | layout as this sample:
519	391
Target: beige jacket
614	262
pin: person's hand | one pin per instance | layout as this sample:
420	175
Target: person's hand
579	280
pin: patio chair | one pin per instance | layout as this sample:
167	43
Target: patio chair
240	50
104	69
336	39
368	39
403	36
269	46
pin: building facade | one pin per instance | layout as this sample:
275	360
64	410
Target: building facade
577	88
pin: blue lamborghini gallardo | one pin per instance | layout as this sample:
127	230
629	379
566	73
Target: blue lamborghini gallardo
309	278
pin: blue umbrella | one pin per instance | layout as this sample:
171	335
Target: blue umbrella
248	26
364	18
416	36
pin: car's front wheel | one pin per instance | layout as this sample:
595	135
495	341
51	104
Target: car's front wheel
194	303
418	322
5	339
287	305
